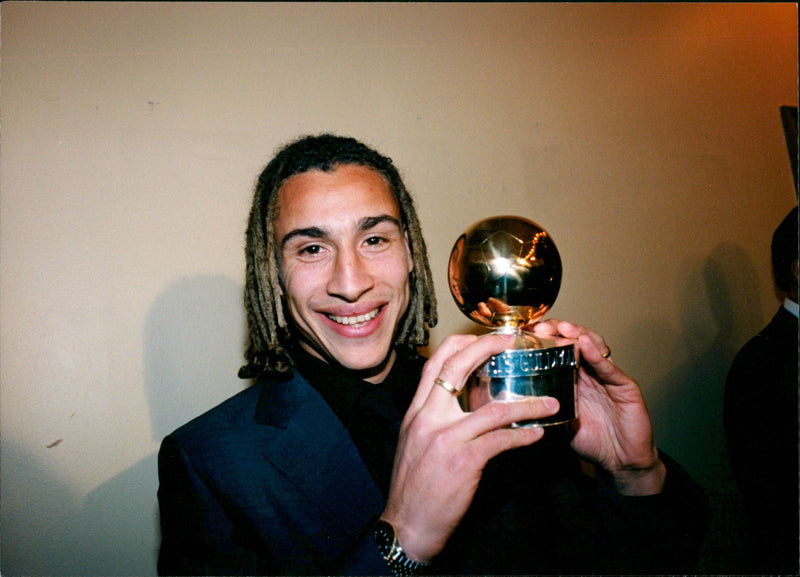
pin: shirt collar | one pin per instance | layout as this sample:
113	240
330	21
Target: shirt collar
343	391
338	387
791	306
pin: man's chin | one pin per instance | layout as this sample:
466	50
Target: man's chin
367	370
365	367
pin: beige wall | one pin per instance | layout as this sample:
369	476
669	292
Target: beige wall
645	138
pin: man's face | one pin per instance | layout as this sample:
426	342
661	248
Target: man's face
345	262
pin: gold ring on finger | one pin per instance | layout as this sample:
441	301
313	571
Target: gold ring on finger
446	386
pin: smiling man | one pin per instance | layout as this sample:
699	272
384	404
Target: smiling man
350	453
345	261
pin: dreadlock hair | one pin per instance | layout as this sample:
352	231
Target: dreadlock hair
270	338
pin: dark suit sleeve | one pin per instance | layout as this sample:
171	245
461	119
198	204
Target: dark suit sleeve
537	513
197	533
654	534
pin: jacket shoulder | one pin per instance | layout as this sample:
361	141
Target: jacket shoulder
236	409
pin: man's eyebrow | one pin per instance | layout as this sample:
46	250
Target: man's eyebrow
364	224
310	232
373	221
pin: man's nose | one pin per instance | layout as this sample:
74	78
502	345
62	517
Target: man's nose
351	276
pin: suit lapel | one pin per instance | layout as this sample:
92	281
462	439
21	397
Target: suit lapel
315	452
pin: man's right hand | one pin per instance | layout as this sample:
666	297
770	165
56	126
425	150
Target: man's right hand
442	450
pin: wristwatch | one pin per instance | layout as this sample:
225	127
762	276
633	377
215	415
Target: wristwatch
390	549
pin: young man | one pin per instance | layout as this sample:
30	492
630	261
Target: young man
346	457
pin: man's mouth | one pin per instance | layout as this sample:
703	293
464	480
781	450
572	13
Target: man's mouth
356	320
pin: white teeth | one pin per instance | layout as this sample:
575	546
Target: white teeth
355	320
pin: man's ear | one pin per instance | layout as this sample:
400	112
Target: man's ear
280	301
409	256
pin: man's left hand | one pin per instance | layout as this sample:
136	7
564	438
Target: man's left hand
613	430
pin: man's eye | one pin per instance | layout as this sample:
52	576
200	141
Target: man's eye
375	240
311	250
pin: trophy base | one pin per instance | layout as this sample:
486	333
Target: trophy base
518	373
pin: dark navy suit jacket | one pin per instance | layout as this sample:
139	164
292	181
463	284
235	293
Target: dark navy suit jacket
270	482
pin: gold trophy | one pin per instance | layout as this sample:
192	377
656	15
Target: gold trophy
505	273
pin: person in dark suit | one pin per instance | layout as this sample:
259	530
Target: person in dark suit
760	416
350	453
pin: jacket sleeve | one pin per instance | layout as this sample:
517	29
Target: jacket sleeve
536	512
654	534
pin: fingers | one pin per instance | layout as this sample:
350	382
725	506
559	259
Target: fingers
491	444
445	374
455	359
593	342
591	347
594	352
604	367
550	330
546	329
450	346
500	414
458	366
573	331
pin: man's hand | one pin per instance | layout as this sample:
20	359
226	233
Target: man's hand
613	430
442	451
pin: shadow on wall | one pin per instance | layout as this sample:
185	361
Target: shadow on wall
39	536
193	346
720	309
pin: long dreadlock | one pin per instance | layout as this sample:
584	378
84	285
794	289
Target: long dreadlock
270	335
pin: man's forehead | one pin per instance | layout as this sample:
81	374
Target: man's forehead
352	193
345	170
